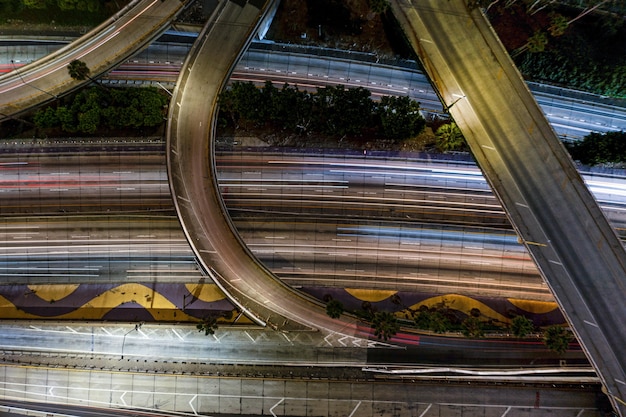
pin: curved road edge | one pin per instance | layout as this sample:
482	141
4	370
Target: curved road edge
219	249
103	48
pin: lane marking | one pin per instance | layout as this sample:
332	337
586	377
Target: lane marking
191	405
355	408
276	405
425	411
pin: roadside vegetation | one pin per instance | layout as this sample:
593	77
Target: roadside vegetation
97	110
58	12
600	148
210	323
442	319
336	112
572	43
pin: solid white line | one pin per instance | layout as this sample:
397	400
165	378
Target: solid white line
177	335
355	408
276	405
425	411
191	405
248	334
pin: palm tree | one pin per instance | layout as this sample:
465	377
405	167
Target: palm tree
521	326
78	70
558	24
557	339
334	309
385	325
208	325
449	138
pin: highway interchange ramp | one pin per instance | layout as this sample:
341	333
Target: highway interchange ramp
221	252
553	212
103	48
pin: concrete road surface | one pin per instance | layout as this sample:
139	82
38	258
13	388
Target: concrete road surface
554	213
101	49
192	395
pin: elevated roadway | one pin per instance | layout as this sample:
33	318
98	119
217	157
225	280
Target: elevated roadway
553	212
221	252
101	49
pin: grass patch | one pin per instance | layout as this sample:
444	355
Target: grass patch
14	12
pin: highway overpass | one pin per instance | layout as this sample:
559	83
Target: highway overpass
121	36
553	212
530	203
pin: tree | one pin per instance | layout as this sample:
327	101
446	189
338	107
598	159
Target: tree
84	5
89	121
208	325
379	6
35	4
247	101
537	42
439	322
599	148
291	108
400	117
46	118
521	326
450	138
66	119
558	25
473	327
334	309
340	111
8	7
557	339
151	104
385	325
78	70
434	321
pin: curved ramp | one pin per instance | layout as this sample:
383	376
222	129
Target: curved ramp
553	212
121	36
205	221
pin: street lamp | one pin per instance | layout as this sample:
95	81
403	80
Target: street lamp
459	97
28	84
137	327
